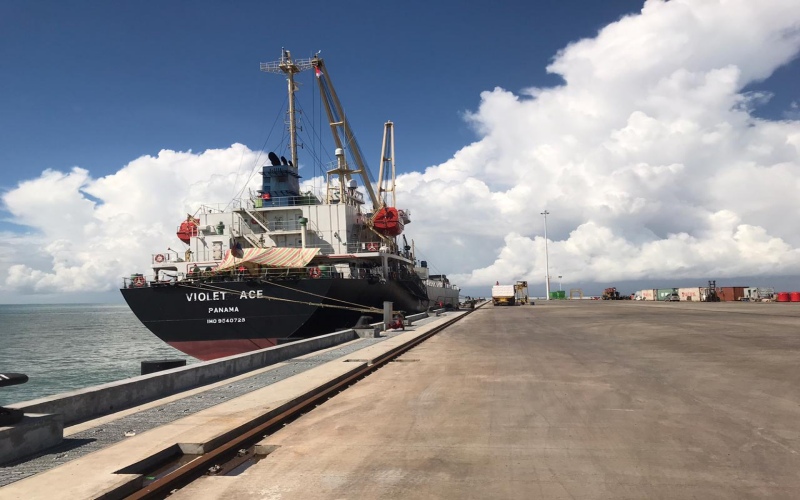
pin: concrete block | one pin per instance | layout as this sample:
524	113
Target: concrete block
415	317
368	333
34	433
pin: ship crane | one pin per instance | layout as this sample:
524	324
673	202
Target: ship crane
342	133
388	221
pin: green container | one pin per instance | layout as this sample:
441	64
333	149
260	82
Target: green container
562	294
663	293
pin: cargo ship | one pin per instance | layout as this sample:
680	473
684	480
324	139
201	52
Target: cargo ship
280	264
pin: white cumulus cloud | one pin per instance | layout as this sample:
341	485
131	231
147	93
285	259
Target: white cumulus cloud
647	157
89	233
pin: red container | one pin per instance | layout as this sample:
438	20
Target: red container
730	293
795	296
783	297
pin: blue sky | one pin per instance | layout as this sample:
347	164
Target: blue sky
98	85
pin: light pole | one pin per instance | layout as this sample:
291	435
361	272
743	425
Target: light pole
546	257
559	283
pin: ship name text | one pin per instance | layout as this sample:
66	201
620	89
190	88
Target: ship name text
207	296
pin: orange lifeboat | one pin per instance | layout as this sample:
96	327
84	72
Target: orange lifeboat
187	229
387	221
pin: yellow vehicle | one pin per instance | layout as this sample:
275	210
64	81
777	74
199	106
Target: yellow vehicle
521	292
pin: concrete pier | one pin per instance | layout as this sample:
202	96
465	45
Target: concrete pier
566	400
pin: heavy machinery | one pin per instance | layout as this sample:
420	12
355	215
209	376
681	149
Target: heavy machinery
610	294
521	292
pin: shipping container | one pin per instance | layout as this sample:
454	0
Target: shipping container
759	293
730	293
648	294
663	293
503	294
693	294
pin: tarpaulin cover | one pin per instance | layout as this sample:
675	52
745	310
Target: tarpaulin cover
269	257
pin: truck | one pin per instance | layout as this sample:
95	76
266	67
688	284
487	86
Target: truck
503	295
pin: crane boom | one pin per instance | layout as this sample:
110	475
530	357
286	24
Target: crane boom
342	133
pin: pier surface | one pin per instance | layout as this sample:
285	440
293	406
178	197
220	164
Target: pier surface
578	399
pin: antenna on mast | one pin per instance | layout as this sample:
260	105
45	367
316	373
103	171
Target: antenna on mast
289	67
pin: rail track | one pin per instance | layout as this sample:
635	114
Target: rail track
178	471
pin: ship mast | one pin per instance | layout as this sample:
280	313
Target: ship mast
289	67
342	133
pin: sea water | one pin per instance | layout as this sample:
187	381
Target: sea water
66	347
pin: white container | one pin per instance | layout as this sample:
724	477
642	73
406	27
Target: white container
693	294
648	294
502	291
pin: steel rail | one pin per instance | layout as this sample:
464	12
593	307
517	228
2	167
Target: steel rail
183	476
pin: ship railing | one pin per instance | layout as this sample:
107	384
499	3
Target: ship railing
214	208
292	273
289	225
440	284
259	202
280	201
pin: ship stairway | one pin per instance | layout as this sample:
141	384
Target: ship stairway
255	242
254	216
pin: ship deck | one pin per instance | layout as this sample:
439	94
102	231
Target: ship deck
568	399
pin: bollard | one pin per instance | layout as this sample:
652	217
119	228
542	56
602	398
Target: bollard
387	314
364	329
10	416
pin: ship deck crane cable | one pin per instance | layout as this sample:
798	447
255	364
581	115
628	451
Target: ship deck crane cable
322	296
258	157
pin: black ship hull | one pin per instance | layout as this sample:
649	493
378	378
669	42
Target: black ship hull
213	319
